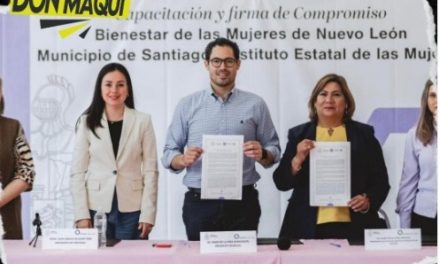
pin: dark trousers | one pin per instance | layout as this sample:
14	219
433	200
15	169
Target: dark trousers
220	215
334	230
427	225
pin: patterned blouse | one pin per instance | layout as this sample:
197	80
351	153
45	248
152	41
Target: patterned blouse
24	169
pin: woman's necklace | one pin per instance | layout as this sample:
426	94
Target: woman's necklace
330	131
115	117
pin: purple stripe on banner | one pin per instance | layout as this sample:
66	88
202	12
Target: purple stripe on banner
15	73
15	57
392	120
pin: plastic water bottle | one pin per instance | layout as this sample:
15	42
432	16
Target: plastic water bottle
100	223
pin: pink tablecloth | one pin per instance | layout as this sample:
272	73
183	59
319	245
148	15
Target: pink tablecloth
134	252
341	253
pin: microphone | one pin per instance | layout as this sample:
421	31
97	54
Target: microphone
37	220
283	243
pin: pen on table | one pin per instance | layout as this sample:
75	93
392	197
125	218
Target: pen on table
335	245
162	245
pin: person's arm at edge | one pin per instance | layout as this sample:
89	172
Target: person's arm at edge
408	183
150	173
268	138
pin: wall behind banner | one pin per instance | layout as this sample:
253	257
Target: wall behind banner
286	47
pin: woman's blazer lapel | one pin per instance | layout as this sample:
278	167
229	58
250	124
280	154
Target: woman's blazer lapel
104	135
127	127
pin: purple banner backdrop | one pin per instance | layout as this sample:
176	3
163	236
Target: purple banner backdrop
387	121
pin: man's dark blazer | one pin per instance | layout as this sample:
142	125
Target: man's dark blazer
368	175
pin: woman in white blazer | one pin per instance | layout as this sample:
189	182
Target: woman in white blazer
114	167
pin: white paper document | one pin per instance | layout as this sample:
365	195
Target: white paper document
388	239
330	174
70	238
222	167
228	242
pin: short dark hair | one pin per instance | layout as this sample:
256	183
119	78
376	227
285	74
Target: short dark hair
328	78
222	42
96	107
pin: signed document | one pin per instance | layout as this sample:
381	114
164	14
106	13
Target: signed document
222	167
330	174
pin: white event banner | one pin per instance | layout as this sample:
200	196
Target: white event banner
228	242
70	238
285	48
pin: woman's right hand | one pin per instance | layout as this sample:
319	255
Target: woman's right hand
84	223
302	151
